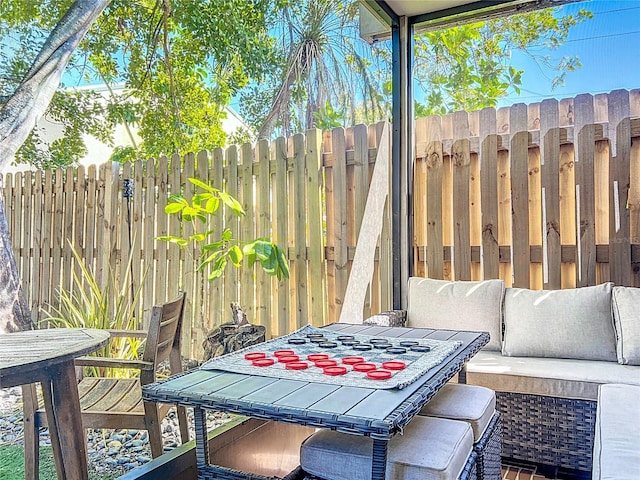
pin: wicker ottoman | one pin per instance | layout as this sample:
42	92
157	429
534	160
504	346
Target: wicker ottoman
428	449
477	406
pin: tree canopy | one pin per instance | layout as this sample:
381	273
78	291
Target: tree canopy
329	77
469	67
171	67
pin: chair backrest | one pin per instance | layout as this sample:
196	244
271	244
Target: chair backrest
165	333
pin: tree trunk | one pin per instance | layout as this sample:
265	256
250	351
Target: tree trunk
14	310
17	118
32	97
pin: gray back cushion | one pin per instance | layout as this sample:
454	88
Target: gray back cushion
569	323
626	316
474	306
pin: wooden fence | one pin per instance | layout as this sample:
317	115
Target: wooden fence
307	193
544	196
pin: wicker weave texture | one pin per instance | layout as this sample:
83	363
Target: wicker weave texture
547	430
489	451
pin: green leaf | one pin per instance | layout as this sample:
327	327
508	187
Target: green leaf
173	208
283	265
235	255
251	258
212	205
218	268
201	198
198	237
173	239
227	235
232	203
212	246
203	185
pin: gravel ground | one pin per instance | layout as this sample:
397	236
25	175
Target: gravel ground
109	451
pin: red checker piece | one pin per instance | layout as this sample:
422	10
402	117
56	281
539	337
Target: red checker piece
283	353
352	360
314	357
254	355
263	362
288	358
364	367
394	365
296	366
379	374
326	363
334	371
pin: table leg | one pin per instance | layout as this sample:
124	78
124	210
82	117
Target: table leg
62	406
379	459
202	445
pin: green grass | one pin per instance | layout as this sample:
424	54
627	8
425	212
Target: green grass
12	464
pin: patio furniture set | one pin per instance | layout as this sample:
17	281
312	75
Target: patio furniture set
423	428
550	353
550	377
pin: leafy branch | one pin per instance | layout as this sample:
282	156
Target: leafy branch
217	252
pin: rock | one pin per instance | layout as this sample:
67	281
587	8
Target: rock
109	451
114	444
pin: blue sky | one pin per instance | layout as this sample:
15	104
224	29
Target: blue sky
608	46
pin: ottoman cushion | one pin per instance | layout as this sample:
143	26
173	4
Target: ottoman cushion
468	403
428	449
615	451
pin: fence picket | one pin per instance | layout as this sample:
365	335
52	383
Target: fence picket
584	153
263	230
48	295
489	193
314	215
550	164
519	163
231	222
619	163
435	166
420	192
216	287
148	241
188	254
247	228
461	158
282	230
298	205
340	220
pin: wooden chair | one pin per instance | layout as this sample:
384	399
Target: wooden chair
116	402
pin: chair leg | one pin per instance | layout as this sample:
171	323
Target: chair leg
184	426
31	433
152	422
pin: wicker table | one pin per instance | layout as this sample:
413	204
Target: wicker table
377	413
46	356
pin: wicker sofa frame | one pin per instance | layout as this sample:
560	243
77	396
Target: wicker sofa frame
550	431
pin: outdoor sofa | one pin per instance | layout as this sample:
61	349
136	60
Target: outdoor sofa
550	351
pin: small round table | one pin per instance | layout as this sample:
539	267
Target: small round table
46	356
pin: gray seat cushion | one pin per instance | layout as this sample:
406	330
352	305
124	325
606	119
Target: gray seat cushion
616	450
469	403
626	315
428	449
570	323
458	305
553	377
